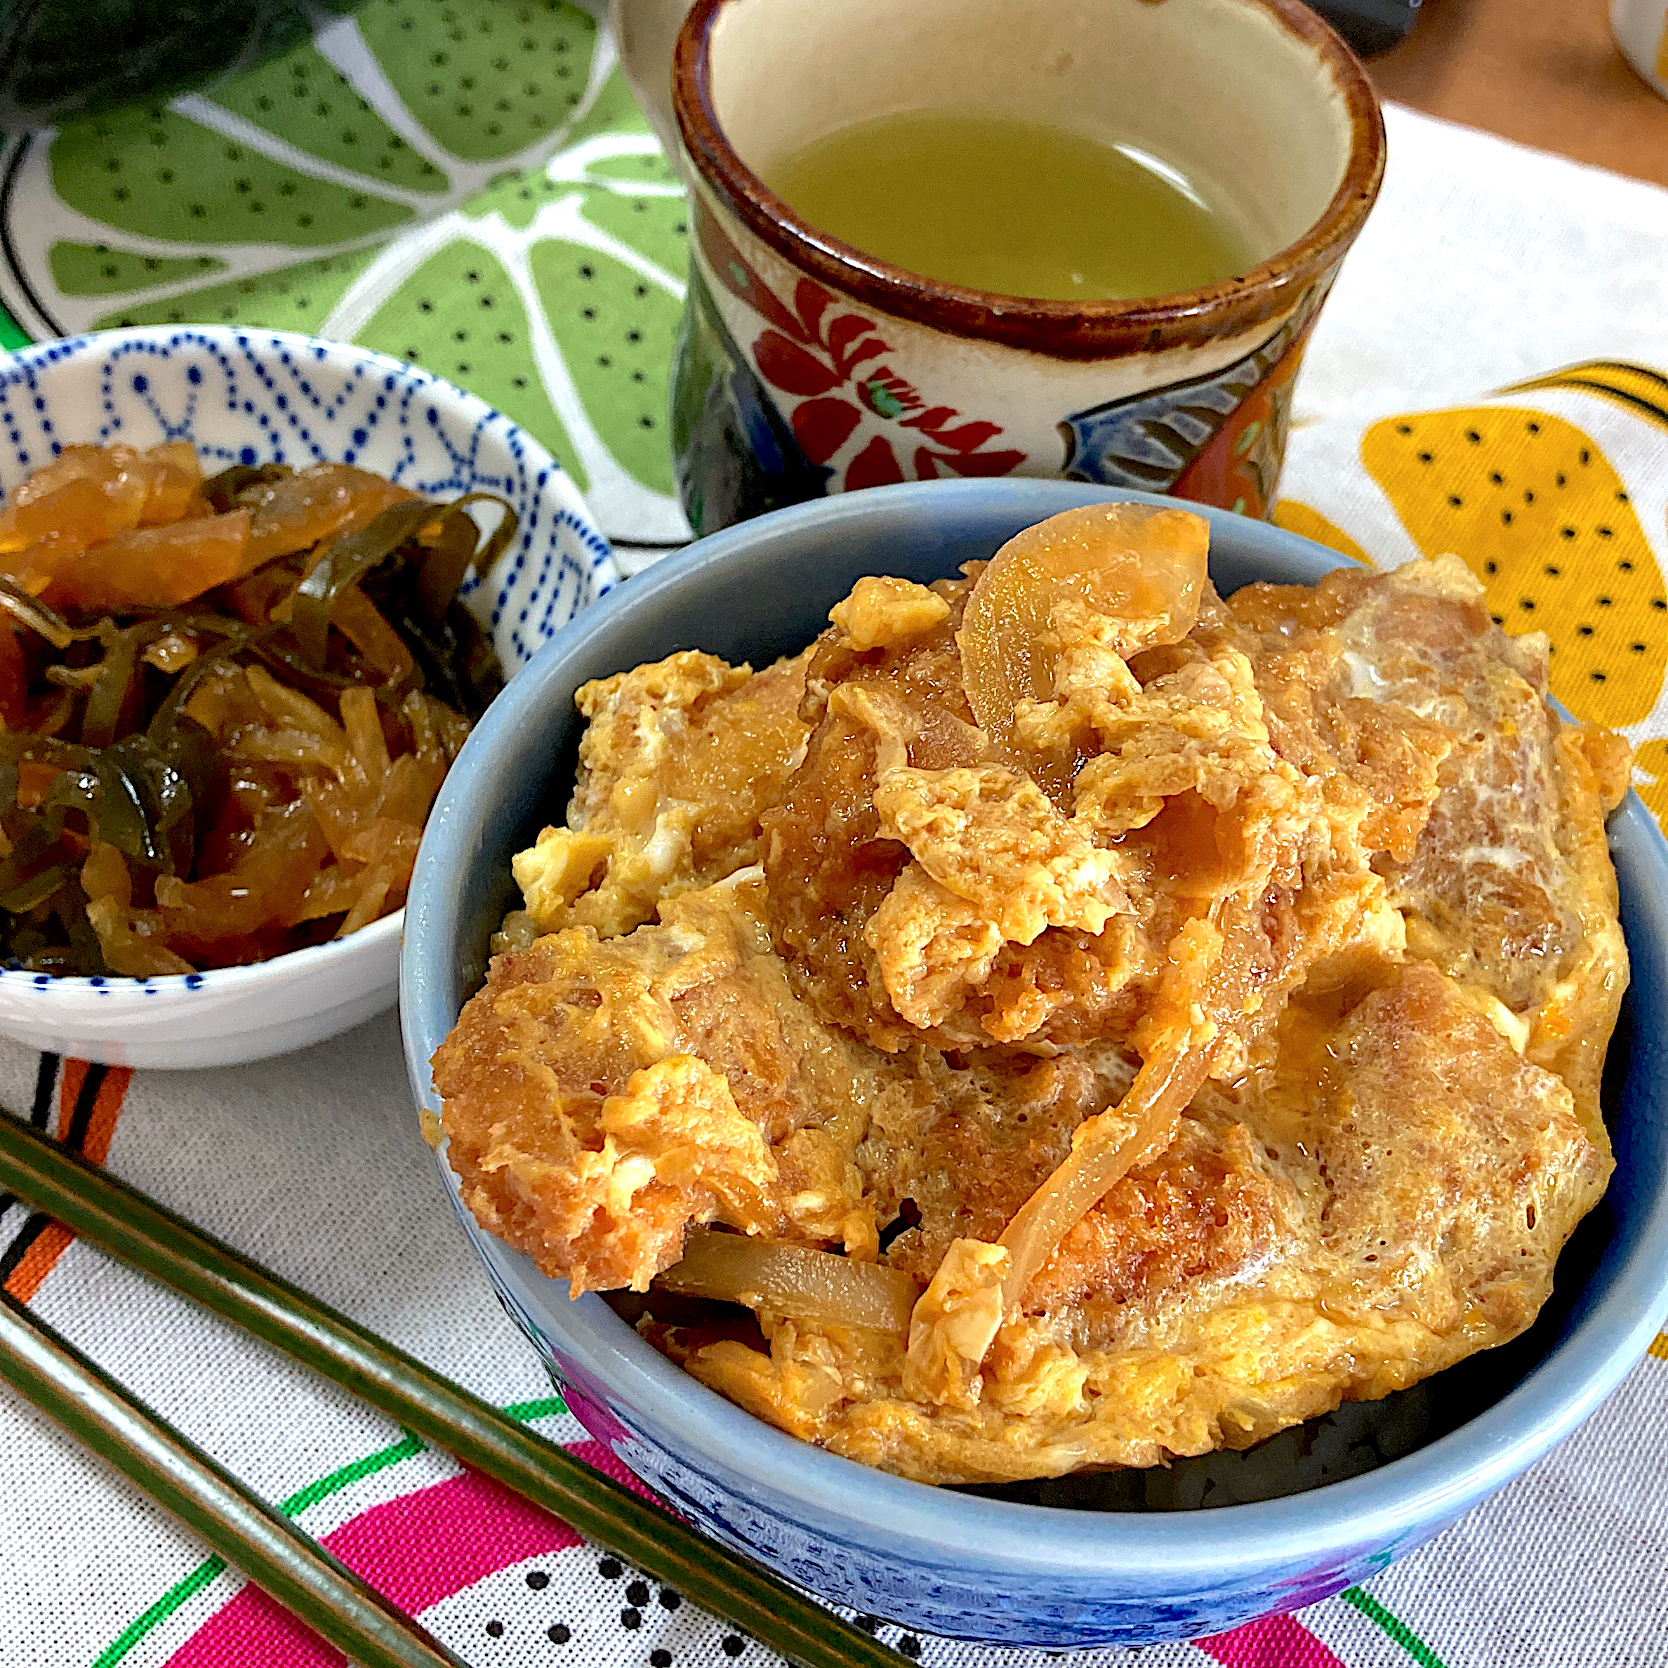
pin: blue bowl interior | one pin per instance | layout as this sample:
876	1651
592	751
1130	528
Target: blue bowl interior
762	590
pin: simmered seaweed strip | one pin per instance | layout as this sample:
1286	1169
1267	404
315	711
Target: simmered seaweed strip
177	788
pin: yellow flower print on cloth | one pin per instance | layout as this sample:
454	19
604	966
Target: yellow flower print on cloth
1307	522
1540	515
1554	492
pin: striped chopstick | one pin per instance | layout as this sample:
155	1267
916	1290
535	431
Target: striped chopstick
50	1372
147	1236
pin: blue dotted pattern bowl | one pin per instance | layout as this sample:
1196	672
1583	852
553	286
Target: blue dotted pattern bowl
250	396
936	1560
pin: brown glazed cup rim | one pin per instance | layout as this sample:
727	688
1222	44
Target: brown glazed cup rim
1059	329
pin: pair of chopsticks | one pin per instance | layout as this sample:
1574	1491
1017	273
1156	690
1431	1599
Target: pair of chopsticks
48	1371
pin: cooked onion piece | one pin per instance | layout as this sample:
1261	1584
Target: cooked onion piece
1143	567
1103	1150
1217	971
794	1281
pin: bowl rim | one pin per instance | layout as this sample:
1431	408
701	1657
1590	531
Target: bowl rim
49	358
226	981
1403	1499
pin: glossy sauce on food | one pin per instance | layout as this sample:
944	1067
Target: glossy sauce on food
1199	1005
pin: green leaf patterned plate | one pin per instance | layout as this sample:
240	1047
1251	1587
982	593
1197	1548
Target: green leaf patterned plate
463	183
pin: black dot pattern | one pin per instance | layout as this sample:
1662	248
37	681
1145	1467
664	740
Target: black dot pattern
494	79
301	98
190	181
582	1606
1540	516
293	297
156	174
616	345
98	269
437	320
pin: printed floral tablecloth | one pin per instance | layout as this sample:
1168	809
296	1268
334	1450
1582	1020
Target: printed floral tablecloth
467	184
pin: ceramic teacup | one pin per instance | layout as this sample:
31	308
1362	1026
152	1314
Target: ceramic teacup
807	367
1641	31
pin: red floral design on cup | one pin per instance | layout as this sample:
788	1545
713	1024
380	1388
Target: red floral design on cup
831	360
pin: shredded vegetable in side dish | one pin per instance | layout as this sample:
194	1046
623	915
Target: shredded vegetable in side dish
228	704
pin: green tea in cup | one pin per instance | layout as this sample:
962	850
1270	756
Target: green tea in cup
1022	208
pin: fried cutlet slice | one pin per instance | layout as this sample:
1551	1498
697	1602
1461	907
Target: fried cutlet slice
1325	1234
1509	886
603	1095
1333	840
677	762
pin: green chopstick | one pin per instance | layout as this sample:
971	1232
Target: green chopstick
146	1235
50	1372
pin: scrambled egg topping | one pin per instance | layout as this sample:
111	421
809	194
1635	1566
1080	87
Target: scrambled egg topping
1210	1034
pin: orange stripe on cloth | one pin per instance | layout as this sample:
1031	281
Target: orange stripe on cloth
38	1261
54	1239
107	1106
1659	1346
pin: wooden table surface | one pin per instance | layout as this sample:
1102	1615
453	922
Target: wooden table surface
1543	72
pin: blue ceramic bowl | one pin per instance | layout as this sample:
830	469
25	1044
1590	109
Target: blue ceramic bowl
934	1559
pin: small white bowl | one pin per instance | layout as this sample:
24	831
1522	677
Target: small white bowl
259	396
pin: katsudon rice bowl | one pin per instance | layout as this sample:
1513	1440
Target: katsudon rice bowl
1094	1037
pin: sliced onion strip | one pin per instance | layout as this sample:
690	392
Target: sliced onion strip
1104	1149
1135	1131
794	1281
